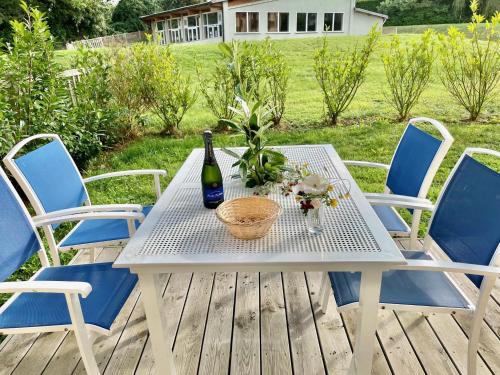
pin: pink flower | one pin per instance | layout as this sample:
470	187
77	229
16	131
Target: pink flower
316	203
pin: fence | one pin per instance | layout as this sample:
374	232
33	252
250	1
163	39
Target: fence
109	41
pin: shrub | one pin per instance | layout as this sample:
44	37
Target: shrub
218	91
34	97
408	69
471	67
125	88
163	88
276	73
95	118
340	73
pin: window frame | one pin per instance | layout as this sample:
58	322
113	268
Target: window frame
306	23
333	22
278	23
247	23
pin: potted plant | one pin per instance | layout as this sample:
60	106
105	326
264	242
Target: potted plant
259	166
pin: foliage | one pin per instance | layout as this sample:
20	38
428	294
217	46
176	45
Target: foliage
258	165
408	69
219	91
471	67
95	118
126	88
32	91
125	16
340	73
163	87
417	12
276	74
67	19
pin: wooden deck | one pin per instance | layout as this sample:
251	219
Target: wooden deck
267	323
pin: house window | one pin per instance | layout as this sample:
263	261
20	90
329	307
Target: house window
277	22
212	25
159	26
306	22
334	22
247	22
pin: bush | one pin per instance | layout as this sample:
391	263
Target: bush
218	91
33	94
163	88
471	67
125	88
340	73
408	70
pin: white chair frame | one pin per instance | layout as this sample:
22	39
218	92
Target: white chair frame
437	264
71	290
78	214
388	199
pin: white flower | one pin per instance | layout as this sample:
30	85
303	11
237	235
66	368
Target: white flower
298	188
316	203
315	184
244	106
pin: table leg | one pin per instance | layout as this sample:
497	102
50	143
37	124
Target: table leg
369	295
151	298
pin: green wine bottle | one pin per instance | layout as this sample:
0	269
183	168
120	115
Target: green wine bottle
211	177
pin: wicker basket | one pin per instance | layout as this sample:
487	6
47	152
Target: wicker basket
249	218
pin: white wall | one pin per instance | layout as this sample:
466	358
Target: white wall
363	22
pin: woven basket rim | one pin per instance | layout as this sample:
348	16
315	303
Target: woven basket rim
272	217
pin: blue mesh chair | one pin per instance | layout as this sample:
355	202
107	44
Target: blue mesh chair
55	188
81	298
414	165
463	237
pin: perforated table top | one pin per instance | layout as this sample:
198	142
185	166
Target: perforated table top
181	235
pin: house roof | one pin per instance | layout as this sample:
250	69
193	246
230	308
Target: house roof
180	9
360	10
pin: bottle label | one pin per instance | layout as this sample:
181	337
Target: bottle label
214	194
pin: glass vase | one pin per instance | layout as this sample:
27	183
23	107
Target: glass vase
314	220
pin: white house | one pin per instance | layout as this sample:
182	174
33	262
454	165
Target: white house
223	20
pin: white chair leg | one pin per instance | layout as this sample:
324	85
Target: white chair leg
415	224
324	292
81	334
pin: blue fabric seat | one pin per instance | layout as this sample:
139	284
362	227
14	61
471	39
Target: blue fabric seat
391	220
420	288
95	231
110	289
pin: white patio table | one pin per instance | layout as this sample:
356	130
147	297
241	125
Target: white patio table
180	235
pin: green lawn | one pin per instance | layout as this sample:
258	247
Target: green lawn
367	130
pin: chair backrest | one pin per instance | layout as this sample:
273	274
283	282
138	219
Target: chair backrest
466	222
18	240
417	159
48	175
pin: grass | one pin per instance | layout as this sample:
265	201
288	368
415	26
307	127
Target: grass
367	130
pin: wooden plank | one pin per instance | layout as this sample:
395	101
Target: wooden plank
304	342
189	340
429	349
275	348
216	351
18	346
380	362
455	341
245	356
397	348
173	304
331	331
128	350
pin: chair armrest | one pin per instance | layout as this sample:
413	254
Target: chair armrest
90	209
399	201
43	220
447	266
356	163
34	286
140	172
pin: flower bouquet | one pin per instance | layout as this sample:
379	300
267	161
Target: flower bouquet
313	192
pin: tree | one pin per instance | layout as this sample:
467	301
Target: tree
125	17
